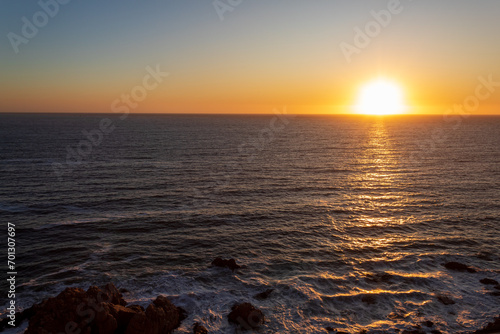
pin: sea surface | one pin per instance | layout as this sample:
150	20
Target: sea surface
348	218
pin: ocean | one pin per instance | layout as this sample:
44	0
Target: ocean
349	219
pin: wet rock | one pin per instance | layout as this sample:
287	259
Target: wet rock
199	329
264	295
122	315
136	308
457	266
369	299
160	317
182	313
491	327
428	323
445	299
109	293
73	308
231	263
488	281
103	311
246	316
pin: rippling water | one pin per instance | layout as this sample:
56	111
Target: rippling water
324	210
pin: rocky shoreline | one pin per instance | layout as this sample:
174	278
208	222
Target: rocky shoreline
102	310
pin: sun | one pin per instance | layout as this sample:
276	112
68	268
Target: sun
381	97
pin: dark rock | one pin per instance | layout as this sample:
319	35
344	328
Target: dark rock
231	263
330	329
103	311
182	313
492	327
246	316
488	281
435	331
109	294
160	317
446	300
57	313
123	290
428	323
199	329
369	299
459	267
136	308
264	295
497	287
123	315
495	293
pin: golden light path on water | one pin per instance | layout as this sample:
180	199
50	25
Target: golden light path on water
372	195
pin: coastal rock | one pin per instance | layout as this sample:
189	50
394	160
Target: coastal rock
199	329
488	281
428	323
70	309
246	315
103	311
160	317
231	263
457	266
136	308
445	299
264	295
109	293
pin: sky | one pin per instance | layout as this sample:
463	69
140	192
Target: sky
245	56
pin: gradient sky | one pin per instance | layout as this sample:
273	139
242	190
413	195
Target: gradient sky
264	54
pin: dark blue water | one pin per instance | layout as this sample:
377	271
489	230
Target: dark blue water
325	210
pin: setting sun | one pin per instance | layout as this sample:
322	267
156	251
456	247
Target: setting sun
380	97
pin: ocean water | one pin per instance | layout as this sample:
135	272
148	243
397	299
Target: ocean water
325	210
